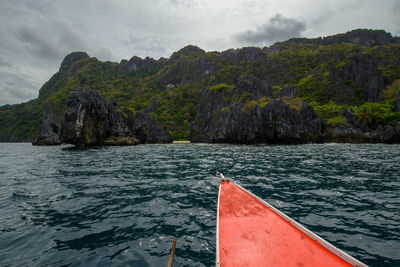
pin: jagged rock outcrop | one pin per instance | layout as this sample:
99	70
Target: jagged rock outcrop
352	121
203	68
361	70
351	134
65	73
146	128
50	129
256	88
364	37
190	64
345	71
357	132
72	58
236	117
188	51
391	135
289	91
354	132
138	64
366	75
245	54
89	120
397	102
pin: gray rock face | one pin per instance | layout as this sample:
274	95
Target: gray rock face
364	71
50	129
89	120
189	51
348	115
203	68
146	128
117	125
362	37
352	121
371	38
138	64
357	132
190	64
250	84
65	73
245	54
226	117
397	103
71	58
290	91
200	68
352	135
391	134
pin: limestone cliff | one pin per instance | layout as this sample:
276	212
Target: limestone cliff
247	114
50	129
89	120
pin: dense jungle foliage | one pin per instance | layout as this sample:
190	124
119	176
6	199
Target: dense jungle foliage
171	89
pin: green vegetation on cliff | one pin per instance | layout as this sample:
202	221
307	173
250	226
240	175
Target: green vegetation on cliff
330	74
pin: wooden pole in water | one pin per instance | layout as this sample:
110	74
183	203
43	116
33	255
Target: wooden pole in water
171	257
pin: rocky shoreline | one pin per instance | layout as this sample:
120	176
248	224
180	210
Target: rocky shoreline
343	88
90	121
232	115
224	116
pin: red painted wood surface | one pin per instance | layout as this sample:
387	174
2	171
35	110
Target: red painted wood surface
252	234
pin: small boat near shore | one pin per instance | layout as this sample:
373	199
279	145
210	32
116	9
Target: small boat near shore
251	232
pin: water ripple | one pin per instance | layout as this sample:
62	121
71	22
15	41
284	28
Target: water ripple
124	205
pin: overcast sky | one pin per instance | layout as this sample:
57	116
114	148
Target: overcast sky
35	35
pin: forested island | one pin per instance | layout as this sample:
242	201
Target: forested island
340	88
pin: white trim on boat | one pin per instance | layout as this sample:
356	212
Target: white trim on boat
312	235
217	233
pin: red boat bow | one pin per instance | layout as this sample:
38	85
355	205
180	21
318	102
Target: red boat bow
251	232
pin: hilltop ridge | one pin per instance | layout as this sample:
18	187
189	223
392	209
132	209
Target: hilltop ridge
356	71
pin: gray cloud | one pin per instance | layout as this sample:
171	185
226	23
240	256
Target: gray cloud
19	93
34	38
59	40
395	17
148	45
36	35
278	28
37	44
4	63
16	86
183	3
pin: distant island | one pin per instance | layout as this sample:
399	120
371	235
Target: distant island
340	88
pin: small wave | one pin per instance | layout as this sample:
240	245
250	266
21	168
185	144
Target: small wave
124	206
20	193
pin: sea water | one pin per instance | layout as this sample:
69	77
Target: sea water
124	206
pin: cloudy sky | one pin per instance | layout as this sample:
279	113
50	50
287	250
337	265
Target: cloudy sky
35	35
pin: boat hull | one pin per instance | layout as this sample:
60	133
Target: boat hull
251	232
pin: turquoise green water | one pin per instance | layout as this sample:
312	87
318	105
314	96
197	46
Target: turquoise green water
124	205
